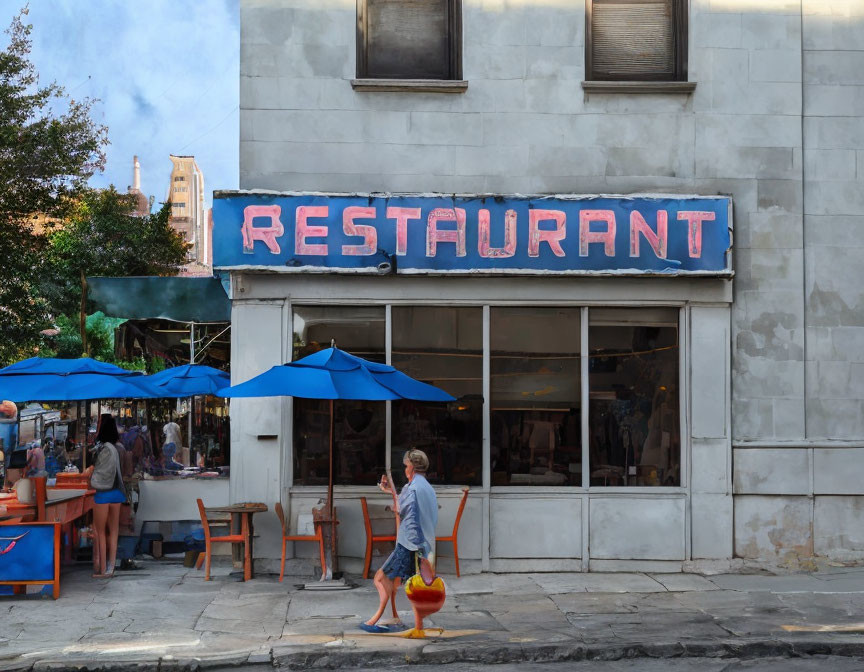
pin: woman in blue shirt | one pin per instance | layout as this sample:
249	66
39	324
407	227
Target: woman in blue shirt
418	511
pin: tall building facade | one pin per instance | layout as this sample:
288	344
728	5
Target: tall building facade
614	410
142	203
188	213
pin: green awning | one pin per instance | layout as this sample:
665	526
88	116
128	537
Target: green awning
182	299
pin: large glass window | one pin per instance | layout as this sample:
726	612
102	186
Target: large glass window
535	421
444	347
634	428
535	405
359	426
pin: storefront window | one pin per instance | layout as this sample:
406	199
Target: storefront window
359	426
634	428
444	347
535	407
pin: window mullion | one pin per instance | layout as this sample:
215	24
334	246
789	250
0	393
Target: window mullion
388	405
585	392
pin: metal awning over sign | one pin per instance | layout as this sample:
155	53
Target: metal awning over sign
182	299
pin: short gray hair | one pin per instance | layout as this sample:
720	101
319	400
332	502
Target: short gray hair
418	459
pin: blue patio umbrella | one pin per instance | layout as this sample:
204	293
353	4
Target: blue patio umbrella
335	374
77	387
65	367
189	380
54	379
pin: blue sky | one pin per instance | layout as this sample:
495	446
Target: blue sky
166	73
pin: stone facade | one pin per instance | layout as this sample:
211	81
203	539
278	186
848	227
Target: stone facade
775	121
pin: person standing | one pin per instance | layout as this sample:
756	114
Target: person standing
418	510
171	430
35	460
106	478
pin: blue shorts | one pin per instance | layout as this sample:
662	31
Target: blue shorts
115	496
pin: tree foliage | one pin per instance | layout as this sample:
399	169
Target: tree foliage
102	237
49	148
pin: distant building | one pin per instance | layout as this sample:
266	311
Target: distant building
188	215
142	203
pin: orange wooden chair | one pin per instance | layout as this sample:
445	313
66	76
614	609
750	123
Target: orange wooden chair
209	538
318	536
370	538
454	538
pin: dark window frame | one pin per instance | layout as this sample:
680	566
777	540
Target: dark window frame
454	28
680	28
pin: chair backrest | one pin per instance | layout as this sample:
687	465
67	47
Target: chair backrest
366	522
279	512
459	512
204	523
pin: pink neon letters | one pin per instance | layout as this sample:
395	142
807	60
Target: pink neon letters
695	218
483	247
303	230
402	215
369	233
536	235
266	234
657	241
587	236
434	235
448	225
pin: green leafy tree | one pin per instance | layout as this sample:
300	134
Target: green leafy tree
49	148
102	237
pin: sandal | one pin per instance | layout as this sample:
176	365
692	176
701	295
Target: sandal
382	629
393	624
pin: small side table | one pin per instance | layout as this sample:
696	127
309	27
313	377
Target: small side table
241	522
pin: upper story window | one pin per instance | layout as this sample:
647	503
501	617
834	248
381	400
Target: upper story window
636	40
409	39
179	190
179	178
178	205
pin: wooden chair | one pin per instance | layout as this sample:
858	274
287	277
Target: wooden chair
370	538
209	538
318	536
453	538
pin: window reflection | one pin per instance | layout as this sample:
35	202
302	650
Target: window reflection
634	428
442	346
535	407
359	426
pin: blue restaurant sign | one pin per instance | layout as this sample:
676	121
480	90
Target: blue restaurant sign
503	235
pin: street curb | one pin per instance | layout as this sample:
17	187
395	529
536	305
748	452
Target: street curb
446	653
482	653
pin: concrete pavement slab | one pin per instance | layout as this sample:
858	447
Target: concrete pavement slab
792	583
597	583
684	582
487	618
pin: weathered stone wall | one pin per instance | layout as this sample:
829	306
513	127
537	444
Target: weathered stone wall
752	128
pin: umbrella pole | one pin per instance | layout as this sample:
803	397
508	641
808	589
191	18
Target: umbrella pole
330	506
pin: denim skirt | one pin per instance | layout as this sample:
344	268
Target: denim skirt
400	564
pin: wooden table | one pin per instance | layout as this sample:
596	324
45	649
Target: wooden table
241	522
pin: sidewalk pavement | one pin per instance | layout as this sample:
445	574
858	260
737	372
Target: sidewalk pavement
164	616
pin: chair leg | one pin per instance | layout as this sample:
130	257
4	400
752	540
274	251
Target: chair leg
456	555
368	560
199	562
282	571
323	559
207	563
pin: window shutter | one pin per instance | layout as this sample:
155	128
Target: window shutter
633	39
408	39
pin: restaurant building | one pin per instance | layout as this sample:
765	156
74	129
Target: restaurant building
633	266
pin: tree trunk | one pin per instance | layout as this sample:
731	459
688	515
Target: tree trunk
84	314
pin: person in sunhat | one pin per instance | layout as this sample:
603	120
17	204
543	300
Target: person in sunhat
418	511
